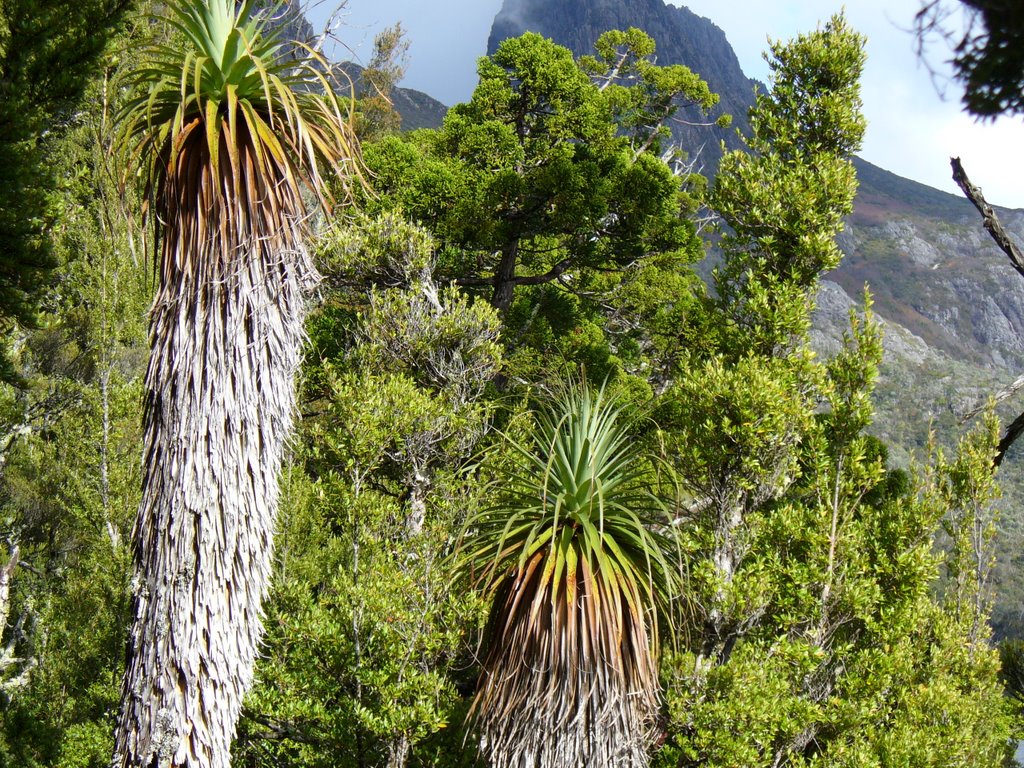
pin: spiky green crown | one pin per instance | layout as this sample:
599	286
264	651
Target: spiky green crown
583	487
576	564
229	72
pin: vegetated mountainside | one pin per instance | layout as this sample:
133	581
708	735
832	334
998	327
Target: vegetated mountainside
952	305
954	319
417	109
935	270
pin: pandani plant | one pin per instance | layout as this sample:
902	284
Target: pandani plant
575	560
227	125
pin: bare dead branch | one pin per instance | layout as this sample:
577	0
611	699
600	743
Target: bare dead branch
988	215
1003	394
1009	247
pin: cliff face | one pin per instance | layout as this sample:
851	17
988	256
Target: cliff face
288	16
681	36
934	270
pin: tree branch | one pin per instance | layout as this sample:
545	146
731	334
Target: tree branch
552	274
1010	248
998	397
275	730
988	215
473	282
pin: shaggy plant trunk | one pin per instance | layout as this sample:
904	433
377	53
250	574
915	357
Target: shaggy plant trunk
226	338
557	696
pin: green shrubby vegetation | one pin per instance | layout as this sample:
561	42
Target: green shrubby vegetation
49	51
364	592
537	455
71	469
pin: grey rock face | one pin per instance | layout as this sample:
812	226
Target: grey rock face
681	36
942	281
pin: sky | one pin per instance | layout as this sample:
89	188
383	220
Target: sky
915	122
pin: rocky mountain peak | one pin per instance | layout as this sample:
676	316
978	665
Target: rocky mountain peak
681	36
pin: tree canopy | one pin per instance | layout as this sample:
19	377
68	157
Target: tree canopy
988	54
553	474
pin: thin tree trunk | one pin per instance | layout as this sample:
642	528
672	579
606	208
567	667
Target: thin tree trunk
226	335
398	751
15	671
6	574
504	278
417	504
724	559
112	531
